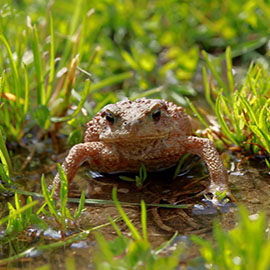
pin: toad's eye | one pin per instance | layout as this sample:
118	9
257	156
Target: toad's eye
110	117
156	114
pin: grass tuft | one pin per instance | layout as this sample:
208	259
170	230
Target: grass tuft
244	247
126	253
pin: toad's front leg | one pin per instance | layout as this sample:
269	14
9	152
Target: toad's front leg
96	153
207	151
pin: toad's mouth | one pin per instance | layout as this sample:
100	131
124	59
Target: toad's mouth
134	138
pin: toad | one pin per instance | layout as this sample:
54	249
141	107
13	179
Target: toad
153	132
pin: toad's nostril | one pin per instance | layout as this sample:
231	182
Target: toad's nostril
139	121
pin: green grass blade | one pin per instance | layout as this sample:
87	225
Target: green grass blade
249	109
237	118
207	89
17	212
196	112
98	201
262	117
12	225
69	240
229	69
64	186
116	228
222	122
26	92
63	195
81	205
126	178
147	93
252	82
77	15
110	81
15	73
143	173
214	72
18	206
166	244
79	107
4	156
180	164
133	230
28	213
267	163
38	66
106	251
49	200
52	69
262	136
249	46
1	85
226	108
129	59
4	177
144	220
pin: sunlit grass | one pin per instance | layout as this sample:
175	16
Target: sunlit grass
246	247
241	108
61	212
4	157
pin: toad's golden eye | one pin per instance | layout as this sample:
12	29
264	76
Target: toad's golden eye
156	114
110	117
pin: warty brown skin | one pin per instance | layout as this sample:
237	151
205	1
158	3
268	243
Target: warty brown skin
154	132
